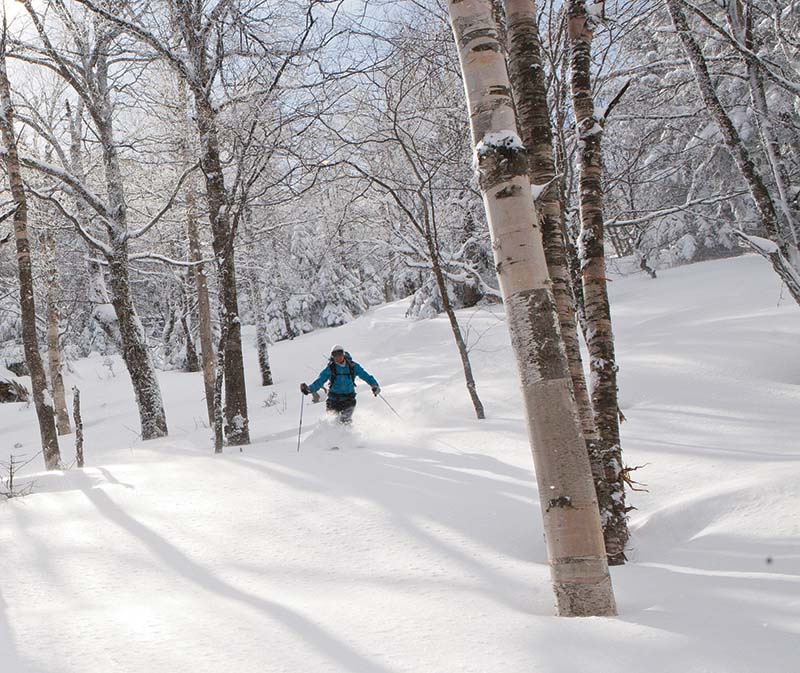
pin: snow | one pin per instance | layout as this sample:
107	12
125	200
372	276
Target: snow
421	550
763	244
595	9
536	190
505	138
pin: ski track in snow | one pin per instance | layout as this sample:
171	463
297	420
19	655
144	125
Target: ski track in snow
418	546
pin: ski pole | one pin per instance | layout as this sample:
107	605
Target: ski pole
300	429
390	406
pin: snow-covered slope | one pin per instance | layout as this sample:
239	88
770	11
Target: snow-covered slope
418	546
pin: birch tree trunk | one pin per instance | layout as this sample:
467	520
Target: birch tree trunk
262	338
197	57
527	76
782	253
203	302
192	361
569	507
257	300
199	273
597	311
53	295
41	397
237	430
76	414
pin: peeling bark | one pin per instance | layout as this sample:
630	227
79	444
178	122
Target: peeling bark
573	534
527	76
597	310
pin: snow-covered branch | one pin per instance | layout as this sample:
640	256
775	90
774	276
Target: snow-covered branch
78	187
664	212
136	233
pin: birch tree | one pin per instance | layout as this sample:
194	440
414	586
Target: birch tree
41	397
527	74
207	37
53	299
569	506
89	78
599	335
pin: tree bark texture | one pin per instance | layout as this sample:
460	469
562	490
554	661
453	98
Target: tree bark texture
569	507
262	338
527	76
135	352
41	397
783	259
199	273
597	310
53	293
192	359
76	415
257	302
237	428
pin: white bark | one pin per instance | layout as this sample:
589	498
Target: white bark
569	507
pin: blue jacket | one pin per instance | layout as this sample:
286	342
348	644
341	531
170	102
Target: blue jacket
344	384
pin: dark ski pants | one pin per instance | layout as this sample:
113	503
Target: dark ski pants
343	407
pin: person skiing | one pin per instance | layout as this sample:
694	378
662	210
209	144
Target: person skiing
341	371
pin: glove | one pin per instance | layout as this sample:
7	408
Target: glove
376	390
315	397
304	389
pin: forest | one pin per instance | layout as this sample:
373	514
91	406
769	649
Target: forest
208	187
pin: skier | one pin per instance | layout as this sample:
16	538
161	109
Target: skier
341	371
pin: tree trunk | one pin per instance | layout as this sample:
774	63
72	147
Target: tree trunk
784	260
41	398
203	302
262	338
53	342
599	334
135	352
527	76
236	422
454	326
569	507
192	360
257	304
219	421
204	323
740	20
76	414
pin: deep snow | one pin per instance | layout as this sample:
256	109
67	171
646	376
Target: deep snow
417	547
